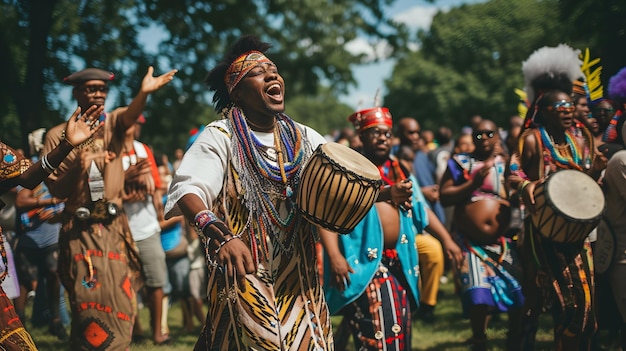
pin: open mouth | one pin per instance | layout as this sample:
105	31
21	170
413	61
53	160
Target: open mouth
275	93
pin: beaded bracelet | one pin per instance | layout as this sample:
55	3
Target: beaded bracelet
204	218
222	243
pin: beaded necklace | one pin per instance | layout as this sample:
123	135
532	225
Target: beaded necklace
562	159
268	182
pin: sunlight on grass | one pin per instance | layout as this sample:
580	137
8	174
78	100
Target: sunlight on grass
449	332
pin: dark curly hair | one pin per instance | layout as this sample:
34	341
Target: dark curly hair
215	78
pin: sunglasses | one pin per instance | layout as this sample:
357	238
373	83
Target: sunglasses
376	133
562	106
92	89
478	135
608	111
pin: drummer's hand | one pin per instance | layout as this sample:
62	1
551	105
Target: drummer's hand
236	258
401	193
339	269
599	163
528	194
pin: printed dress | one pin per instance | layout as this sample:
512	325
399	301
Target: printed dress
281	306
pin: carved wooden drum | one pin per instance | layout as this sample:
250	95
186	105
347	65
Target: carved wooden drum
338	187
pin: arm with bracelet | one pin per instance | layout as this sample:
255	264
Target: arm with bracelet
79	129
231	253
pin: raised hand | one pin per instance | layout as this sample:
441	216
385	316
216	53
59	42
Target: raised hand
80	128
150	84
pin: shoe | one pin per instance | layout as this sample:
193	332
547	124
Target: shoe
426	313
167	342
138	339
57	329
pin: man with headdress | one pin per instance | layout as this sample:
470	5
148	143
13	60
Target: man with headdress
98	262
236	183
17	170
371	273
556	274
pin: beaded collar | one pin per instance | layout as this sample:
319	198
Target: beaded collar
268	182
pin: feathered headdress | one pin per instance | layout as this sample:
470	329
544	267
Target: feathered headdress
550	68
617	92
592	78
522	105
617	86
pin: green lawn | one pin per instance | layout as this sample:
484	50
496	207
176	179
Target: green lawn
449	332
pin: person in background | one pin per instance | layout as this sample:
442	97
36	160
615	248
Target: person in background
371	274
474	184
556	274
429	249
17	170
614	184
140	201
98	261
37	251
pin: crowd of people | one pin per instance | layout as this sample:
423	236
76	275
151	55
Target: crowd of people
102	218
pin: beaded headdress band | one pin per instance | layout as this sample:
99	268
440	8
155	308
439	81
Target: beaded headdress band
241	66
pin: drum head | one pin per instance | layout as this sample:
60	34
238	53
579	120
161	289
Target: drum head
575	194
351	160
605	247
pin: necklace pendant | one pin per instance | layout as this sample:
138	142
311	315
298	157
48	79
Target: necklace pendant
288	192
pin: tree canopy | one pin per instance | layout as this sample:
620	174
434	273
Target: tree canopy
469	61
43	41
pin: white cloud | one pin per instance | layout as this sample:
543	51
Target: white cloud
417	17
372	51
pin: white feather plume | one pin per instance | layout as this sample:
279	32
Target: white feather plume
561	59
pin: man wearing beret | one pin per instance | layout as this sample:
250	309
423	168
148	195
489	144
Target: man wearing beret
98	262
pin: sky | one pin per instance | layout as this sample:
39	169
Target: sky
415	14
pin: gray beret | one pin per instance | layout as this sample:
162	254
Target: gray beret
88	74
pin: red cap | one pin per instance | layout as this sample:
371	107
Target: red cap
371	117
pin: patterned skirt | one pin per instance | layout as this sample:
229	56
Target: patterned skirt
490	275
99	267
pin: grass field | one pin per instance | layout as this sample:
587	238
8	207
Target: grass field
449	332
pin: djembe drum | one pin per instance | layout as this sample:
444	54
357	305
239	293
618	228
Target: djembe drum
338	187
569	205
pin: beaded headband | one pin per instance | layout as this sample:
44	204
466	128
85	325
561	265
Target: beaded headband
241	66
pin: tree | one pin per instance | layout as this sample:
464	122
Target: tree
470	62
45	40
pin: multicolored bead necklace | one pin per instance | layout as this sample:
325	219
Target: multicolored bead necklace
563	160
267	183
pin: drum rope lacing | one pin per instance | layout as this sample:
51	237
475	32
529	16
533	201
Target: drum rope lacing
266	184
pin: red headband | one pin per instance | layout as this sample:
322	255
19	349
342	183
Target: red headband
371	117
